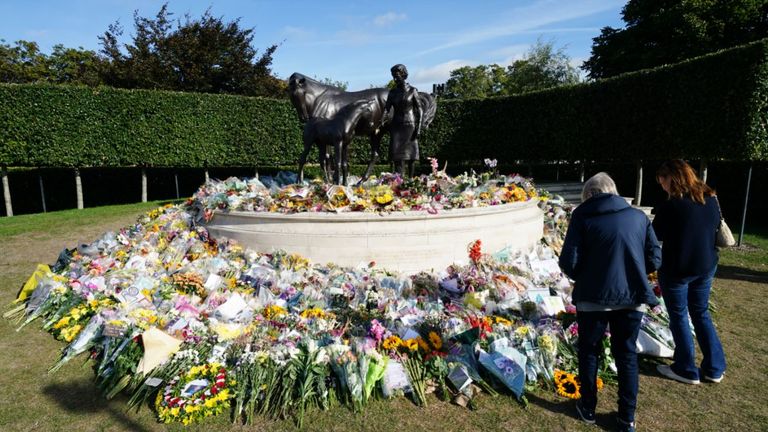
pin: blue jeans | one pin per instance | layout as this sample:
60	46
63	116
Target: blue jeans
624	325
690	295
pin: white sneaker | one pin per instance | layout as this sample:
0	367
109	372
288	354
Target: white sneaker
669	373
714	380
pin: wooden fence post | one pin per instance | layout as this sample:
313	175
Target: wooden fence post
7	192
639	183
42	190
176	181
79	189
143	185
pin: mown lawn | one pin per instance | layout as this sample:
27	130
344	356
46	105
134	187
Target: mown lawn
31	399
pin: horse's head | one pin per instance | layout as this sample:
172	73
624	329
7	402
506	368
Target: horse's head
297	90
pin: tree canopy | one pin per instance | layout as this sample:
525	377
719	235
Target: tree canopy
541	67
205	54
660	32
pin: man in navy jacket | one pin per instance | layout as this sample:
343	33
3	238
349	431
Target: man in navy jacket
609	250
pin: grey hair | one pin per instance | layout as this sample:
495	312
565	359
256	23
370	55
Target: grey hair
597	184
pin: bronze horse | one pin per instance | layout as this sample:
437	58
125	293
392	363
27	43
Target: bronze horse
313	99
336	132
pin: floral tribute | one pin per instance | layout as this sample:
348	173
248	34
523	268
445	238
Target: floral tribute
388	193
198	393
198	327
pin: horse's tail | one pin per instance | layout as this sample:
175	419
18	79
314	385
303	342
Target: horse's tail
428	109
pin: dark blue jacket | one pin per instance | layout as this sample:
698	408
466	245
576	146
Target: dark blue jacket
688	232
609	250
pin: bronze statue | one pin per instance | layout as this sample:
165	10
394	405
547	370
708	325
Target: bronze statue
406	121
337	132
313	99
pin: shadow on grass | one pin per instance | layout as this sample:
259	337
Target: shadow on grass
84	398
742	274
604	421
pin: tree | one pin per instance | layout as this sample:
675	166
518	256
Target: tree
74	66
22	63
541	67
202	55
668	31
344	85
475	82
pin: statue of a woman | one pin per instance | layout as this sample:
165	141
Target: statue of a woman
406	121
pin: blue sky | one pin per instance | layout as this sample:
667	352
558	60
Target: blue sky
351	41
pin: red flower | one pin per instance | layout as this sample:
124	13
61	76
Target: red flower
475	251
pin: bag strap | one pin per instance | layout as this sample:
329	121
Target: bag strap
717	201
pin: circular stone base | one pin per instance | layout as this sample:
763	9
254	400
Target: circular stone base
407	242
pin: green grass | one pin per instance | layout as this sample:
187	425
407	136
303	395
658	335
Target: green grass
69	401
59	221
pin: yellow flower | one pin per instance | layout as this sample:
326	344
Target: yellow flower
422	344
392	343
503	321
411	344
569	388
384	199
522	331
62	322
435	340
274	311
560	375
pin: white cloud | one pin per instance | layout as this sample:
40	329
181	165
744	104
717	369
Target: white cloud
37	34
439	73
388	19
525	20
296	33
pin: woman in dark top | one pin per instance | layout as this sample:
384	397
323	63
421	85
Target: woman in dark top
406	122
609	250
686	223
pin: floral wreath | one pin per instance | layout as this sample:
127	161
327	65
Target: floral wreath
185	401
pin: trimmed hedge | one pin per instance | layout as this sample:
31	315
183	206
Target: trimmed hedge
710	107
63	126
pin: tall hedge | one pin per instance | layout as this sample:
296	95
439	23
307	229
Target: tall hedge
61	126
710	107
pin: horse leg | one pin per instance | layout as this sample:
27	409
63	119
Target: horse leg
303	158
345	161
375	144
337	162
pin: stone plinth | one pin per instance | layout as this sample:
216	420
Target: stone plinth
407	242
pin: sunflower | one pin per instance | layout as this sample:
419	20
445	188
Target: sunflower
560	375
568	387
435	340
422	344
411	344
391	343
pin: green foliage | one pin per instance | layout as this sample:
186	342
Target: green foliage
713	107
202	55
66	126
541	68
669	31
22	63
